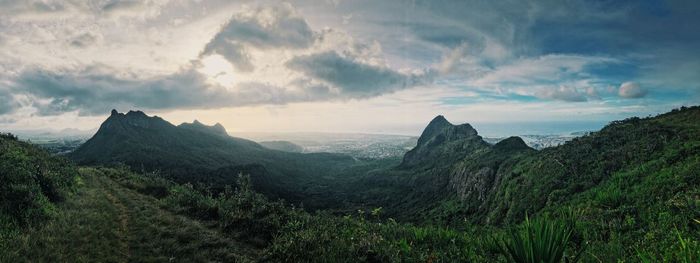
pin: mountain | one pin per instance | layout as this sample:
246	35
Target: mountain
135	139
452	177
216	129
194	152
442	140
449	162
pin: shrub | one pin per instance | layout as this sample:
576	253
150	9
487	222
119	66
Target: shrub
249	213
184	199
537	241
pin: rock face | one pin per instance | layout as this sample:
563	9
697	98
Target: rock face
476	178
454	161
443	141
475	185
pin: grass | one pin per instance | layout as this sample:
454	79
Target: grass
105	222
539	240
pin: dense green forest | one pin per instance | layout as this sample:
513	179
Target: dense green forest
627	193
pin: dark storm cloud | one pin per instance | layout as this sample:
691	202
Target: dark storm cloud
352	77
278	27
95	91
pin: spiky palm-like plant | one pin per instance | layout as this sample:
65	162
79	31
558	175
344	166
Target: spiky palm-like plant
538	241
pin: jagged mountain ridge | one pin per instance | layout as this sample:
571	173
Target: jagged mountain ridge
442	140
217	128
194	152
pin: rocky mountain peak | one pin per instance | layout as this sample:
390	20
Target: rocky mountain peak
441	133
120	121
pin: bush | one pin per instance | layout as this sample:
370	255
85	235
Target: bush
327	238
249	213
537	241
184	199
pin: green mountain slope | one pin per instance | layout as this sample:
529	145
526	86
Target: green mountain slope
31	183
206	154
452	175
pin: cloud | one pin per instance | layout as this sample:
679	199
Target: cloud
52	9
8	104
262	28
452	59
520	51
354	78
84	40
7	120
631	90
93	91
296	64
552	69
562	93
124	5
552	77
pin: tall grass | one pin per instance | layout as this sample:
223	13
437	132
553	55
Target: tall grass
687	251
538	240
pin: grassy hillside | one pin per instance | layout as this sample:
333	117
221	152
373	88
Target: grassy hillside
106	222
31	184
271	231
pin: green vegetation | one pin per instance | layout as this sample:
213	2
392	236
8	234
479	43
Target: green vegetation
195	153
31	183
628	193
539	240
288	234
107	222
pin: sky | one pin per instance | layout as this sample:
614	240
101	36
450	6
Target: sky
346	65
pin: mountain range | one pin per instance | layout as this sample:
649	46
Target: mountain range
627	192
450	165
197	153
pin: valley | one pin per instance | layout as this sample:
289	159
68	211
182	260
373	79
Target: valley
192	191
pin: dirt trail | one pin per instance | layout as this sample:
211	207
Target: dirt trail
123	217
106	222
